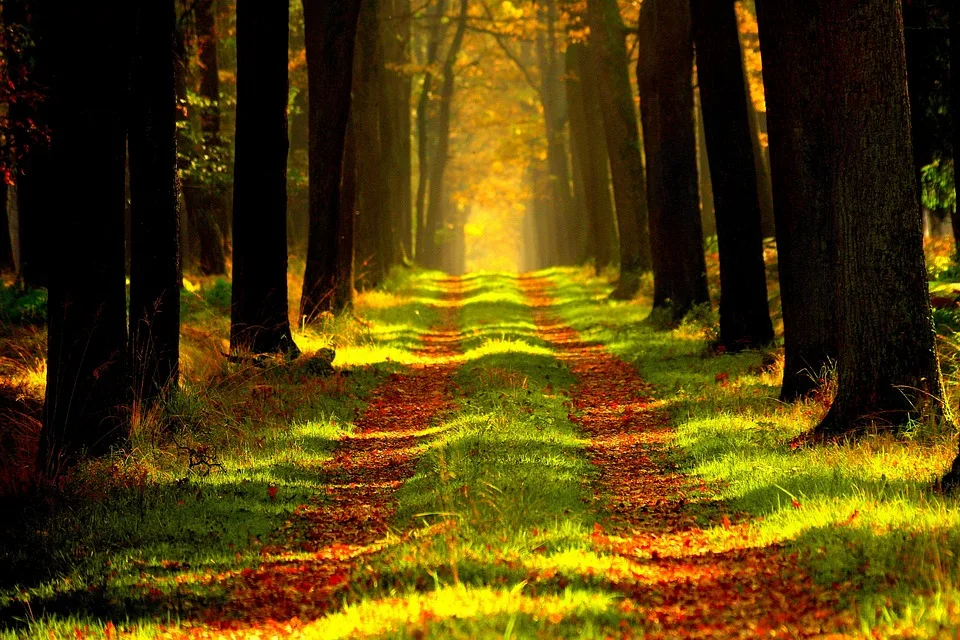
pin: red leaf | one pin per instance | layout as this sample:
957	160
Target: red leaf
272	492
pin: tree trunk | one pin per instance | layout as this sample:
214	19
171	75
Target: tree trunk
648	84
887	370
155	219
87	377
343	291
680	272
623	142
596	164
259	321
796	118
761	166
396	237
744	312
555	116
330	36
6	246
584	228
371	175
437	29
436	219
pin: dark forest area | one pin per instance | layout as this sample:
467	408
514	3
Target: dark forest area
479	318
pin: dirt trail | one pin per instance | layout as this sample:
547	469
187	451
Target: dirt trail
681	581
315	551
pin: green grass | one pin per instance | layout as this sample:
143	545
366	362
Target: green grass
867	513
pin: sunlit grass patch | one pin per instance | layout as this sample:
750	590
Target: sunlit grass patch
862	513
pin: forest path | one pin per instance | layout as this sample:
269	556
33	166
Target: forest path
314	553
675	575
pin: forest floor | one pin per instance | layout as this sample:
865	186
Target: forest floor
493	456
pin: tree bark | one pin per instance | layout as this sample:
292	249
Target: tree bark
436	218
592	186
6	246
371	176
744	311
680	272
796	118
623	142
259	321
707	213
648	84
887	371
155	219
87	376
596	162
330	40
761	166
343	291
396	237
437	30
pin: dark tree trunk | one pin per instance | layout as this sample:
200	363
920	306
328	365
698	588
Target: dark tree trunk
436	218
87	377
259	322
331	29
596	164
371	176
744	312
397	236
437	29
155	220
952	480
648	85
6	247
343	291
680	272
887	370
761	166
796	118
34	193
623	142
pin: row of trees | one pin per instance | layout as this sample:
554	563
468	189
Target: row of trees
844	179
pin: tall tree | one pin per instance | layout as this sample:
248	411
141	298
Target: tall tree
331	29
6	247
259	319
680	273
796	118
620	127
434	39
342	295
155	224
436	207
555	115
374	233
87	381
396	88
887	370
586	128
744	312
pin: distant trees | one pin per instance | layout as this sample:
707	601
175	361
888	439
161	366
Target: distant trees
615	98
744	312
259	320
